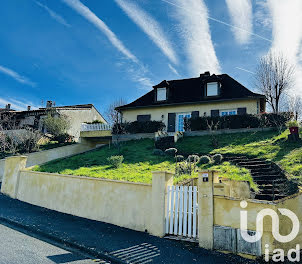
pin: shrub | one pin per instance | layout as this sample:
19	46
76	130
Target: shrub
164	143
292	123
56	125
204	160
158	152
183	168
62	138
238	121
217	158
116	161
171	152
193	158
95	122
179	158
138	127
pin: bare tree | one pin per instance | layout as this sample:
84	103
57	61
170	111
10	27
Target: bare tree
295	106
274	77
113	116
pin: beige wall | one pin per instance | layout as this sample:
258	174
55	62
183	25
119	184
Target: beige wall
37	158
130	115
136	206
40	157
2	163
77	117
120	203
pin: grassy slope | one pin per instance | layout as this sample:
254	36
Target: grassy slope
139	161
268	145
137	166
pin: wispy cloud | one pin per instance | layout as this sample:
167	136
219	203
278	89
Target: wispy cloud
16	104
173	69
193	24
150	26
100	25
242	69
219	21
54	15
241	13
19	78
287	32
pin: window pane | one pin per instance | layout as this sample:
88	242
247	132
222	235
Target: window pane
161	94
212	89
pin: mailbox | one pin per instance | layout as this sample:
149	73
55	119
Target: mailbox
205	177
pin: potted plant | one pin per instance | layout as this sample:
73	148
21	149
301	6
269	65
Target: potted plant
293	126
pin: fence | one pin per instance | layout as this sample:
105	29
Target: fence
95	127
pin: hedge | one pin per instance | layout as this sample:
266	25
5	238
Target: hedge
237	121
138	127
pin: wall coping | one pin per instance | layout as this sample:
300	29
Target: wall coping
84	177
225	131
248	200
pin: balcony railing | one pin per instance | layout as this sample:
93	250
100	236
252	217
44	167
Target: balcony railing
95	127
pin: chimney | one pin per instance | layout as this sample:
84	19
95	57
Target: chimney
205	74
8	106
49	104
28	108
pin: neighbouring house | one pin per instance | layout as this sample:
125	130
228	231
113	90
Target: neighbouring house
76	114
207	95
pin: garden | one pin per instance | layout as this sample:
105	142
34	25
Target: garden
135	160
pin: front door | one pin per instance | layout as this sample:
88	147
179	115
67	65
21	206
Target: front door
180	121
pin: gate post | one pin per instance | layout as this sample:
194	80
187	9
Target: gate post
160	181
10	180
205	209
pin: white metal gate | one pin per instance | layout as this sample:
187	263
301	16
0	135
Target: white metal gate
182	212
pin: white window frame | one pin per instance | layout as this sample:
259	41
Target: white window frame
211	85
161	94
228	112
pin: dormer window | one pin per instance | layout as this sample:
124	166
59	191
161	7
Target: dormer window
161	94
212	89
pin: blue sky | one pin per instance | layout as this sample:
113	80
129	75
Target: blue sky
95	51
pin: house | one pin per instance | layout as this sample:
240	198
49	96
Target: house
206	95
76	114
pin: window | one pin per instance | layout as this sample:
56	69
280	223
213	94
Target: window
161	94
228	112
143	118
212	89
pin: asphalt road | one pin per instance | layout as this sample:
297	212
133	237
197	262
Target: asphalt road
19	248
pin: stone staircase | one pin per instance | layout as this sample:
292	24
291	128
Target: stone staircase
271	180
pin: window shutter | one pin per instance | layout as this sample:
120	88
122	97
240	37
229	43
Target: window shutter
171	122
143	118
195	114
241	111
214	113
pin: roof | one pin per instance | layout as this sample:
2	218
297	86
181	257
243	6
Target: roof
7	110
188	91
71	107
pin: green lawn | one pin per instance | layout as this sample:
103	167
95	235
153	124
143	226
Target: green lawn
268	145
139	161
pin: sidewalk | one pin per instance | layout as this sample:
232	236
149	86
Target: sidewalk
105	240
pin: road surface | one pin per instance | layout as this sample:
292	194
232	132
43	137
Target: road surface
19	248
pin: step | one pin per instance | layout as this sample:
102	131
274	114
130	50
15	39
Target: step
256	166
244	163
269	197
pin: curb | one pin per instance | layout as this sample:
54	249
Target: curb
95	253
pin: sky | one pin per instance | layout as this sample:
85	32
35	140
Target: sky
97	51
